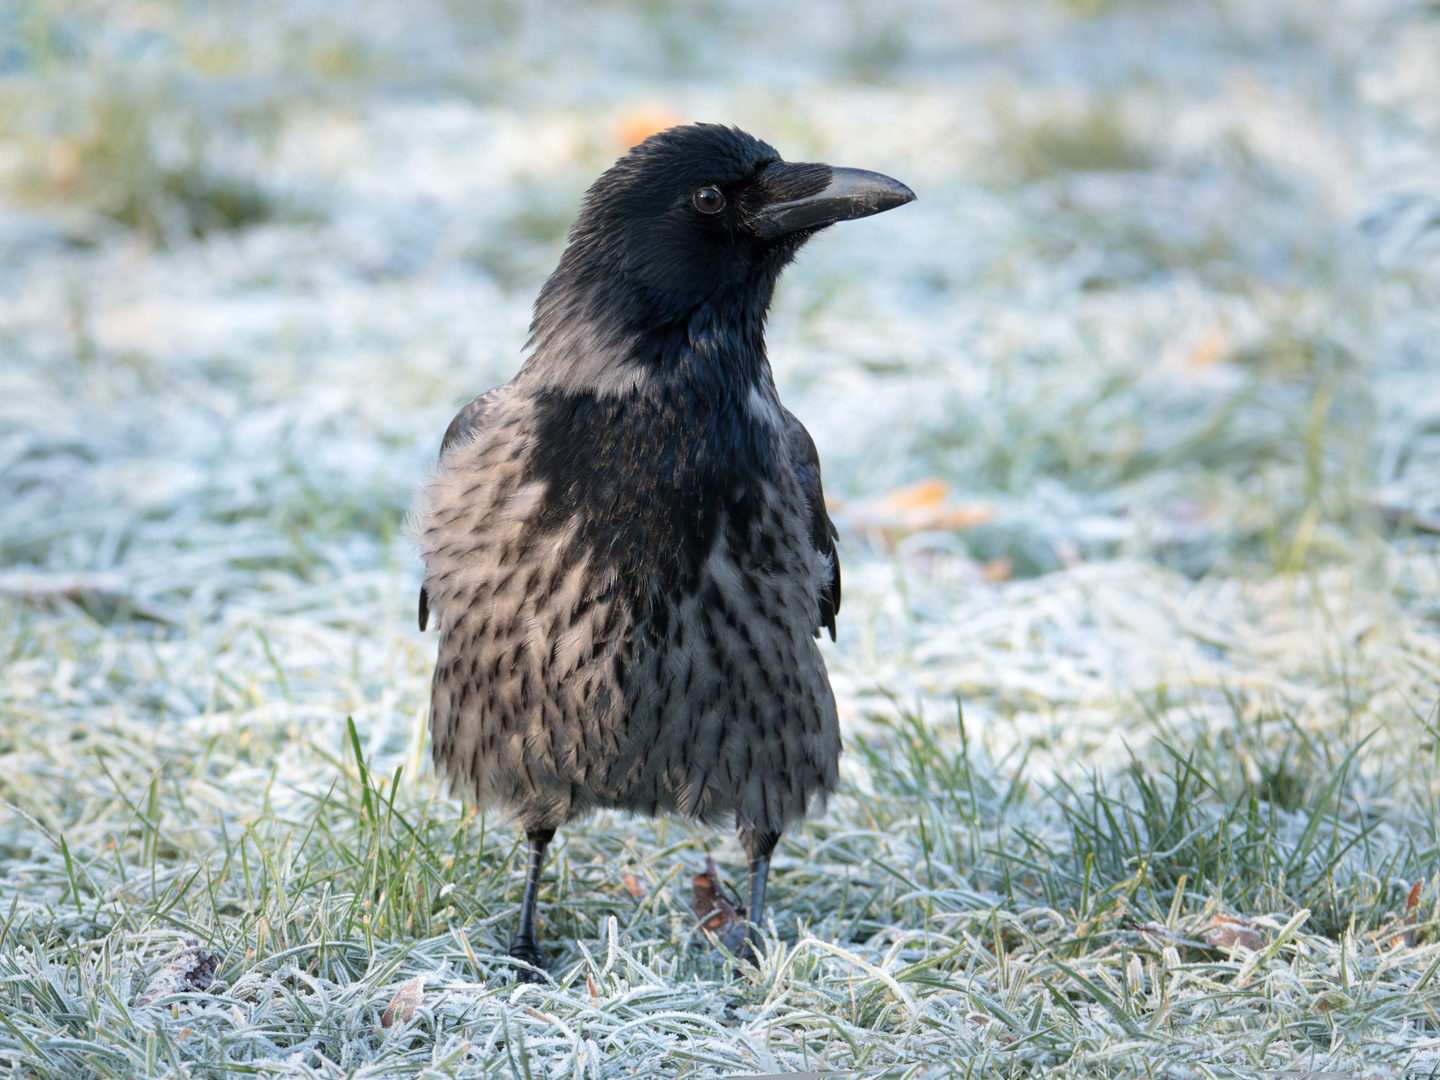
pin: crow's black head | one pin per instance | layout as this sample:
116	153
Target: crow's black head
703	210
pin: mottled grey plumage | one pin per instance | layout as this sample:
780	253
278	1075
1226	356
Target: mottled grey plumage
553	695
626	547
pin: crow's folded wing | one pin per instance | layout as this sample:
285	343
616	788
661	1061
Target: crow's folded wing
467	423
822	530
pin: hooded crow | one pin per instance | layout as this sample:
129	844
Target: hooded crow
626	546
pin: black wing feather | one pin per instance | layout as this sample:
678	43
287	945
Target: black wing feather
467	421
822	530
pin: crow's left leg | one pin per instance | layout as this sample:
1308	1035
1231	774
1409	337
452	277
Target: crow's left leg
758	846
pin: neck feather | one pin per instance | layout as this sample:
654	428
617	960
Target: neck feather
607	335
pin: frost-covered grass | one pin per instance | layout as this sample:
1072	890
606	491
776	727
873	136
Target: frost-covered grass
1162	320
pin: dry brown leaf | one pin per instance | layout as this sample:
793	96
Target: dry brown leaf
1412	913
714	911
191	969
917	508
1229	931
633	885
716	914
590	985
963	517
406	1000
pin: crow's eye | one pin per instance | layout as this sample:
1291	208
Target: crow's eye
708	200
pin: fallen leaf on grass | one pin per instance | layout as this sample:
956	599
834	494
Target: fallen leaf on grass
633	886
1412	914
714	911
927	494
406	1000
191	969
918	508
1229	931
716	914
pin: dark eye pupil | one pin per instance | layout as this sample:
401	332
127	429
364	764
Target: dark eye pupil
708	200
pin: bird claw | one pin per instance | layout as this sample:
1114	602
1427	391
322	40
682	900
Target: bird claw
736	940
745	948
533	962
749	950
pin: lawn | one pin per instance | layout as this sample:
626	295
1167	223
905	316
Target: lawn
1131	425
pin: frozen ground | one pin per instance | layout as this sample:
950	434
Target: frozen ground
1162	325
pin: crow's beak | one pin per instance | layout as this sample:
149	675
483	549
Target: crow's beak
851	193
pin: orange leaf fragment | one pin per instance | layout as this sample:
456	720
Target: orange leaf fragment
1412	914
634	127
1210	348
931	492
633	885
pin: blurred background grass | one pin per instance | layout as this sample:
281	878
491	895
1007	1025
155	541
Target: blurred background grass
1132	427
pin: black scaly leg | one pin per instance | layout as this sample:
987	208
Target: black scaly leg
758	846
525	947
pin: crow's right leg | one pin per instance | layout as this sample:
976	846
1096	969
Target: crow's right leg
525	947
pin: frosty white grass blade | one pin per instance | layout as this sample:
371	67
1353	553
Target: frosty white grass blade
1162	325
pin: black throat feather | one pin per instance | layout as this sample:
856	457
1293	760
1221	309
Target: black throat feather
647	440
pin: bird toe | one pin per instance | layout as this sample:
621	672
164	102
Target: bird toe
532	963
